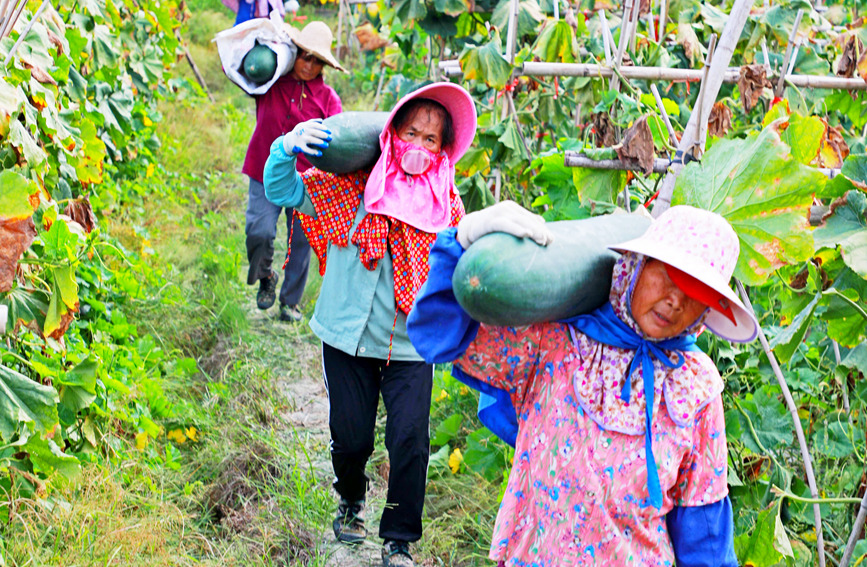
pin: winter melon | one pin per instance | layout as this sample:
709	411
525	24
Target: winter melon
260	64
354	142
504	280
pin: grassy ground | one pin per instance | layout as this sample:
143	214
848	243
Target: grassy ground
254	487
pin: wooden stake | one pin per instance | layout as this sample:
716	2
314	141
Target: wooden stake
614	82
511	36
702	103
663	17
193	66
10	22
781	82
799	430
3	14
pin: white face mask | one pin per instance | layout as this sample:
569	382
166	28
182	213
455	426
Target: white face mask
415	162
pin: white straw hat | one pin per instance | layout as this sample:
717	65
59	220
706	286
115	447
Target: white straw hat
703	245
316	38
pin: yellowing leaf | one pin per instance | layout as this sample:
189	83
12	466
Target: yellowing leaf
141	441
443	396
455	460
192	433
177	435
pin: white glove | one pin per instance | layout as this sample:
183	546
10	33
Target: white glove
508	217
308	138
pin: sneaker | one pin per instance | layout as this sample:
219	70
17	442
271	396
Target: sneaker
290	313
267	294
349	525
396	554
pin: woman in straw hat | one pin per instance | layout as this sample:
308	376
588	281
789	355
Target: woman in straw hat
298	96
375	229
616	416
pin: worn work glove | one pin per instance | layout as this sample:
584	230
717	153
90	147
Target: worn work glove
508	217
308	138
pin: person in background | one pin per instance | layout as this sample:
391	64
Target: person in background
375	228
298	96
616	416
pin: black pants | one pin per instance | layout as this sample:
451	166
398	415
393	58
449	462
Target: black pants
354	384
261	230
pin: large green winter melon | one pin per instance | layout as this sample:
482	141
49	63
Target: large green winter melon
504	280
260	64
354	142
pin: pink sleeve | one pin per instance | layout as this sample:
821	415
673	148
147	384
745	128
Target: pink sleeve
702	476
504	357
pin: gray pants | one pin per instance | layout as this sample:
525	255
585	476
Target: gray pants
261	230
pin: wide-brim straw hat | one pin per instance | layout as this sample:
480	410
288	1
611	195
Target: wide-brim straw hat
703	245
316	38
460	107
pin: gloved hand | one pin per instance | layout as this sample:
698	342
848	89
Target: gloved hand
508	217
308	138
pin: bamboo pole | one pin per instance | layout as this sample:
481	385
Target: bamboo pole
701	102
781	81
856	532
663	74
23	34
10	22
660	165
3	15
607	38
672	135
614	81
691	135
663	16
799	430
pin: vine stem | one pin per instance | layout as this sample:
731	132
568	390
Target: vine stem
780	492
799	430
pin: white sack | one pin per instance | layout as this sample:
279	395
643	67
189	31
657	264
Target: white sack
234	43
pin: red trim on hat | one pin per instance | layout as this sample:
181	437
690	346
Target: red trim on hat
701	292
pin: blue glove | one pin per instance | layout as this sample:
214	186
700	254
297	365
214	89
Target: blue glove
308	138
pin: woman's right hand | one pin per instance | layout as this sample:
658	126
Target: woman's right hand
308	137
508	217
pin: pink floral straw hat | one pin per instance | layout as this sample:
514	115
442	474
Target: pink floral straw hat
703	245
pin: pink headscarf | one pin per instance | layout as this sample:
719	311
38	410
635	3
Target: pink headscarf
421	201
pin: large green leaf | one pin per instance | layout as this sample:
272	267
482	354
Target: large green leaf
486	64
767	544
834	439
409	11
78	386
452	7
15	195
846	325
804	136
769	419
484	454
856	359
24	401
47	458
530	15
555	43
447	429
786	343
852	105
26	307
601	185
21	138
763	192
847	228
855	168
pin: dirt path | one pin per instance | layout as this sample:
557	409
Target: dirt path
296	354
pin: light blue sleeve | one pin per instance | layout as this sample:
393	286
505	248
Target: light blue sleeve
283	184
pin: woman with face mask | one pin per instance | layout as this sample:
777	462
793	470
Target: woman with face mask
372	232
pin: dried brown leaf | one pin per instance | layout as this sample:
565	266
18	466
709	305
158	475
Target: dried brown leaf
56	41
81	212
720	120
604	128
38	73
637	146
369	39
849	59
752	82
16	235
834	148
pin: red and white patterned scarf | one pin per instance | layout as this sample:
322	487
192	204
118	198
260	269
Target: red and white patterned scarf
336	199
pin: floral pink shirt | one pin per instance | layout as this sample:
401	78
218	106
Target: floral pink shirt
577	493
